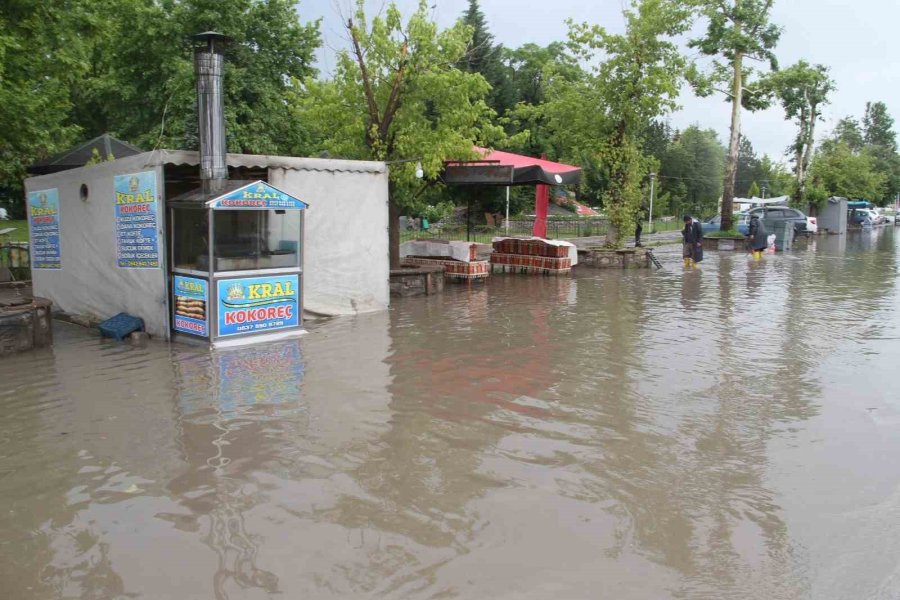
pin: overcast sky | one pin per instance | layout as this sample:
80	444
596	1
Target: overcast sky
852	37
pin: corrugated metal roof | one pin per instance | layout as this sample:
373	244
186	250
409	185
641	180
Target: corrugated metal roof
331	165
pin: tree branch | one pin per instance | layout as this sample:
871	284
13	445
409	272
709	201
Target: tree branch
393	102
374	117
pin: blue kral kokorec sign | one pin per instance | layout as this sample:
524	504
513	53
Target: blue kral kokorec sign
258	304
137	238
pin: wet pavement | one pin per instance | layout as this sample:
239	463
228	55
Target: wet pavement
727	432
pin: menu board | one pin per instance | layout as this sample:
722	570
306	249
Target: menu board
43	221
191	301
137	237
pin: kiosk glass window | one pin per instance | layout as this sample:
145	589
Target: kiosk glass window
190	229
256	239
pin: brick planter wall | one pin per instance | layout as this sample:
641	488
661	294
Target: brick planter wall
454	270
522	263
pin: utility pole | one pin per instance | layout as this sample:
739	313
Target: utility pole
507	210
765	188
652	181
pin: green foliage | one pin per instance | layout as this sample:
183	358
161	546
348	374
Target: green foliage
532	72
691	171
803	90
606	113
74	69
483	57
875	141
879	126
438	212
753	192
96	158
397	95
44	49
736	29
849	132
841	172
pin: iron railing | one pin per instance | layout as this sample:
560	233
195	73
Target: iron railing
16	257
556	229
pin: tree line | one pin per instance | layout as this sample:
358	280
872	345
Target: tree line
403	88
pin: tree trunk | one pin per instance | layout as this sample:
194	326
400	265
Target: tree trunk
806	158
734	143
394	234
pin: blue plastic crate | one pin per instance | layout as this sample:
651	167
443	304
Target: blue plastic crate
121	326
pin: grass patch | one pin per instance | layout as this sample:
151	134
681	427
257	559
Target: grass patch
725	234
19	235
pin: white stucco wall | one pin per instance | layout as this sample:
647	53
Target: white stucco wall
346	268
90	281
346	261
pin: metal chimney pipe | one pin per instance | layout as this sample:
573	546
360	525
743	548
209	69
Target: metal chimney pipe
209	62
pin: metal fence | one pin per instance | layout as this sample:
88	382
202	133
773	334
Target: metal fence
556	229
16	257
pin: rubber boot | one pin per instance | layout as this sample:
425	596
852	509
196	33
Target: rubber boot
687	263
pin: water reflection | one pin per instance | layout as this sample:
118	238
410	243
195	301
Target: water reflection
617	434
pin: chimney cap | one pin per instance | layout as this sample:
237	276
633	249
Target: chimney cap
212	38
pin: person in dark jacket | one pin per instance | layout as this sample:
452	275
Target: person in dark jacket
692	234
639	226
758	237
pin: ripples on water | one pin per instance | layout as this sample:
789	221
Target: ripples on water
716	433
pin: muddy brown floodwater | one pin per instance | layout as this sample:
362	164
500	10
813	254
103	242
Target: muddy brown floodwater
730	432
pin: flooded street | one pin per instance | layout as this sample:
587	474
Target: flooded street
729	432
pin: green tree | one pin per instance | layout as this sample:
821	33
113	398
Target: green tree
841	172
753	192
531	71
774	178
43	51
849	132
803	90
397	95
144	92
637	82
701	160
881	146
748	168
736	29
878	126
482	56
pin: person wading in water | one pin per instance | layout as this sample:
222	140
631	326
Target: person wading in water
758	237
693	241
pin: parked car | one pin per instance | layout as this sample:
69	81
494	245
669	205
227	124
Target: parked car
783	213
858	216
890	217
740	221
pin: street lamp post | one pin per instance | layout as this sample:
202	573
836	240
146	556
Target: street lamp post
652	181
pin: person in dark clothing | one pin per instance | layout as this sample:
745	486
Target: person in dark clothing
639	226
758	237
692	234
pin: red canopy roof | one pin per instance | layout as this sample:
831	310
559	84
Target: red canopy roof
520	161
505	168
